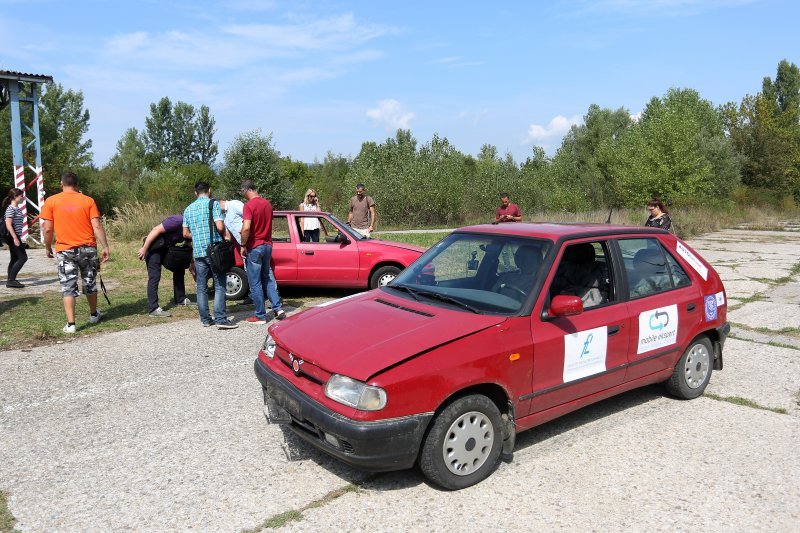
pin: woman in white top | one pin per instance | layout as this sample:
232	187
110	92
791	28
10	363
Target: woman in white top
310	224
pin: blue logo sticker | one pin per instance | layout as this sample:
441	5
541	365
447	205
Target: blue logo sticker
586	345
711	307
658	320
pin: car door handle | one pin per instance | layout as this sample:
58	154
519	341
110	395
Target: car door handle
309	252
690	307
613	330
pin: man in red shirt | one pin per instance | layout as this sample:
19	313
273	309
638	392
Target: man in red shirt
257	249
507	212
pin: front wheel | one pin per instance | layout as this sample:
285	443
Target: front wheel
693	370
382	276
463	445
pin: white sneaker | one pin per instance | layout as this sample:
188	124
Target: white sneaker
69	329
160	313
94	319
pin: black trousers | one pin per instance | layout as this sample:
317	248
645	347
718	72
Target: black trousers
154	258
18	258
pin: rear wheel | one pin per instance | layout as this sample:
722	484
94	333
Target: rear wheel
693	370
236	285
382	276
463	445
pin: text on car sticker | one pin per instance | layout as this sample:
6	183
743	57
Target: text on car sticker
710	306
585	353
692	260
658	328
720	298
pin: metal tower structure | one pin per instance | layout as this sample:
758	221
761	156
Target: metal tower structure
20	91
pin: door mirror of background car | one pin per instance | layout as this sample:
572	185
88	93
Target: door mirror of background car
563	305
340	238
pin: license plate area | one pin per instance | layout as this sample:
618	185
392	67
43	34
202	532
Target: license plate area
280	408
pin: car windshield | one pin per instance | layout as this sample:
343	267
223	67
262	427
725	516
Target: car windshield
353	234
476	273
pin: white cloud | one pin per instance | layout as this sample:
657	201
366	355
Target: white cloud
391	114
555	129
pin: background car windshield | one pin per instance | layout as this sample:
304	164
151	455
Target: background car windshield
490	273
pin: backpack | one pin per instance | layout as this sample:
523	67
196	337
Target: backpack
4	234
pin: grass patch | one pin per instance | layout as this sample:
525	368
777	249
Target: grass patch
757	297
280	520
37	319
738	400
7	520
426	240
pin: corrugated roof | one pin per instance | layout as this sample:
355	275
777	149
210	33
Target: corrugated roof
24	76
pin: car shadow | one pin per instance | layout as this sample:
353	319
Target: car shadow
389	481
8	305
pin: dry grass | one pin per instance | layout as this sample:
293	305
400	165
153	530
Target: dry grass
133	221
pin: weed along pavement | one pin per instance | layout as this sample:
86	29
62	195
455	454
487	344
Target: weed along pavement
161	428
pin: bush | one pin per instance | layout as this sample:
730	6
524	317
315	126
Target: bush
134	220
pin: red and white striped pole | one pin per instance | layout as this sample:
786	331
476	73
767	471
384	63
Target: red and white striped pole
40	195
19	183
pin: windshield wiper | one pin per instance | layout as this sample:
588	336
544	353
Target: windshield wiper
448	299
413	292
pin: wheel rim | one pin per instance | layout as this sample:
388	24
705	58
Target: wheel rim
386	278
698	362
468	443
233	284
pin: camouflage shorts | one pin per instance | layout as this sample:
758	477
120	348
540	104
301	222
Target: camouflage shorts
83	260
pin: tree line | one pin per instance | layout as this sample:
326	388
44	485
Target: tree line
681	146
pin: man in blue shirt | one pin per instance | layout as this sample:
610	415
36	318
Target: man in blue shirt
196	227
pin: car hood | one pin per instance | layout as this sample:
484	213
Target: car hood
392	244
364	334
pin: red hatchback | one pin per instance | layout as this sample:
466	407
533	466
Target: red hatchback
342	257
496	329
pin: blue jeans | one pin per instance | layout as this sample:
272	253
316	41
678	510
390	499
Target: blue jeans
262	280
203	273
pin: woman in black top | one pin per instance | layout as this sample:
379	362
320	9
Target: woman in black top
659	216
13	218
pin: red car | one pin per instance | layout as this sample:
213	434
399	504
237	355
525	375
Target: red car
343	258
496	329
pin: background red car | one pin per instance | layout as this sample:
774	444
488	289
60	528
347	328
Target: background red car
343	258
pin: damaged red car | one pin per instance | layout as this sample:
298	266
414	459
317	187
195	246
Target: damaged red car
494	330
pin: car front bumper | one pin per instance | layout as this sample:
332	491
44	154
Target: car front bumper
377	446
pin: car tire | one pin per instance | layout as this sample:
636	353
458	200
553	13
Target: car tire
693	370
382	276
463	444
236	284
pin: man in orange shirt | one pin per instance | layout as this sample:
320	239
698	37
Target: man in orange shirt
76	221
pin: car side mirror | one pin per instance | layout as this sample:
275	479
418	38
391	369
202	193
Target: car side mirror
340	238
564	305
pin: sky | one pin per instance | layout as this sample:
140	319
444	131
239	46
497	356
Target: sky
329	75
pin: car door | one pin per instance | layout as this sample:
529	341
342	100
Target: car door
579	355
327	262
284	251
662	305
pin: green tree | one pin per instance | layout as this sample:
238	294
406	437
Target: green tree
129	160
678	149
183	149
158	129
329	180
252	156
206	147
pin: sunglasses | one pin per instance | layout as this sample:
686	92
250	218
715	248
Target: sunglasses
312	195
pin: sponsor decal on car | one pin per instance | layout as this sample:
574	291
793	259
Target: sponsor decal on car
658	328
710	306
585	353
693	260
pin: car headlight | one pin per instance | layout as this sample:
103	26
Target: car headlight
355	393
269	346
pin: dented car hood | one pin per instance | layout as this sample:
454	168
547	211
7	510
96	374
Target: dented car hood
361	335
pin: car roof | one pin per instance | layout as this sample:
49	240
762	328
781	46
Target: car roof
558	231
296	212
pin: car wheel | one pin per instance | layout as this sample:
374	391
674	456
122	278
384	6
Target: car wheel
693	370
382	276
463	445
236	285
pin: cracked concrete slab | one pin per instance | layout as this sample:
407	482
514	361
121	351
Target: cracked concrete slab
765	314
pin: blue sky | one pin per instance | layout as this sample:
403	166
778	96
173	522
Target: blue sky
329	75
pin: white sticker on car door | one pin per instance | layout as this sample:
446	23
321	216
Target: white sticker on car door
692	259
585	353
658	328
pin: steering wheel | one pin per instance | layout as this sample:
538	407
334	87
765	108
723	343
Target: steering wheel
501	285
